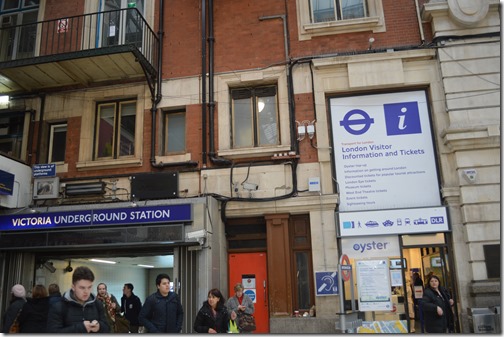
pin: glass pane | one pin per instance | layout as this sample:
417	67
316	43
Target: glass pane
243	135
267	119
352	9
134	23
58	143
26	47
322	10
105	141
127	131
303	282
10	4
176	132
11	135
31	3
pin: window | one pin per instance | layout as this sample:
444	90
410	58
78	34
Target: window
300	238
325	17
492	260
122	25
174	132
254	117
57	143
11	134
115	129
332	10
18	42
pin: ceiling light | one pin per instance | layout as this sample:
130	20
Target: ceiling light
103	261
145	265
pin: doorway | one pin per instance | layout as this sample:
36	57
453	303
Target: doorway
250	270
430	255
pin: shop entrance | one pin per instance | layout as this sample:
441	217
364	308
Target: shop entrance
426	255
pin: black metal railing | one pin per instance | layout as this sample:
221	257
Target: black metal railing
94	31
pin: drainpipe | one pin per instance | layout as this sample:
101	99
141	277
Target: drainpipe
203	83
420	27
215	159
39	137
159	96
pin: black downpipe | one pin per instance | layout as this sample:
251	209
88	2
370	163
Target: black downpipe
159	96
215	159
203	83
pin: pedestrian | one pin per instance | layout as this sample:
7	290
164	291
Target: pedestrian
33	316
162	310
131	306
110	305
213	316
240	304
79	311
437	307
54	293
18	299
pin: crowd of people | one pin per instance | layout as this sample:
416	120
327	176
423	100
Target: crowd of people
78	310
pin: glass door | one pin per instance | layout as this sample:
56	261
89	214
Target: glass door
122	22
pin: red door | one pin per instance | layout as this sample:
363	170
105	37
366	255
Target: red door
250	269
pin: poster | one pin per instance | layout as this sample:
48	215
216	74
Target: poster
373	284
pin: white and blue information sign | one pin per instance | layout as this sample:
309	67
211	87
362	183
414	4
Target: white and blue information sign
370	247
383	151
326	283
252	294
373	285
44	170
393	221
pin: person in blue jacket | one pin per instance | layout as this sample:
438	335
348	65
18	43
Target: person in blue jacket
162	310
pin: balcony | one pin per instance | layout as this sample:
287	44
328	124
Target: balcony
78	52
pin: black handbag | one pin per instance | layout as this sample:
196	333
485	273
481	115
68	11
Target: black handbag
246	322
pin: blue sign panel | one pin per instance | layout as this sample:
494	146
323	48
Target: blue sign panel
44	170
251	293
326	283
6	183
100	217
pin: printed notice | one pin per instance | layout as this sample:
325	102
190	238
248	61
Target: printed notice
374	294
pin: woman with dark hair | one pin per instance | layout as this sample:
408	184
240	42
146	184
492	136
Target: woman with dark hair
213	316
33	317
436	305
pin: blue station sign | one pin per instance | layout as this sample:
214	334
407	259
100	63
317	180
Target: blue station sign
6	183
99	217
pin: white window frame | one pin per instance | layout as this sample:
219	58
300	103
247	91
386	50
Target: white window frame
374	22
53	129
270	76
166	126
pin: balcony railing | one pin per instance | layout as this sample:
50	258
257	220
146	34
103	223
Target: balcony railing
95	33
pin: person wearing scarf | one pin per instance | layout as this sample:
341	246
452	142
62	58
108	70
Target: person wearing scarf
110	305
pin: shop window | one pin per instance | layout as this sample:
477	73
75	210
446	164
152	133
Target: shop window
115	129
301	257
324	17
174	132
57	143
11	134
254	117
492	260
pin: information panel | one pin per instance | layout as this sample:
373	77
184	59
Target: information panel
383	151
373	285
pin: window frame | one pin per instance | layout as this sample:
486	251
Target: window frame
166	125
116	131
52	131
374	21
253	95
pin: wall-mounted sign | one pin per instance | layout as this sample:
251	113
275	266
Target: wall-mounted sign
326	283
97	217
370	247
44	170
6	183
383	151
394	221
46	188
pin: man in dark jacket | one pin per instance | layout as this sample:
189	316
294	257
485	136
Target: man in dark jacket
162	311
79	310
131	306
